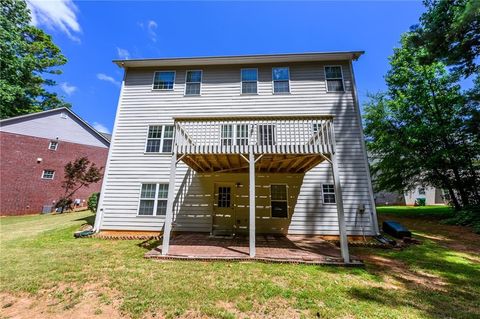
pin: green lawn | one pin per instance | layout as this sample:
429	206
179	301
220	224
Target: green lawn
45	272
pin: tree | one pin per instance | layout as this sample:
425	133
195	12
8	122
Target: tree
450	31
424	129
78	174
26	55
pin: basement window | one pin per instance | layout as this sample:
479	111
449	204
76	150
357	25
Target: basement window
53	145
48	174
159	139
328	194
334	77
153	198
279	201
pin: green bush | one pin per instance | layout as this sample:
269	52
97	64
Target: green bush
93	202
466	217
420	202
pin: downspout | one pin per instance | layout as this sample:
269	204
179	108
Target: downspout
99	215
373	214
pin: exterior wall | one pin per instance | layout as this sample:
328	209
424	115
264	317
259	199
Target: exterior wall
57	124
432	196
140	106
389	198
22	189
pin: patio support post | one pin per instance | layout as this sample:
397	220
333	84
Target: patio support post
167	228
251	161
340	211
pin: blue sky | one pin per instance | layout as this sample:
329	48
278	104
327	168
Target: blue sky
91	34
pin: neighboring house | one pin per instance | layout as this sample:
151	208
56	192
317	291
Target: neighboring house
34	150
384	198
239	145
432	195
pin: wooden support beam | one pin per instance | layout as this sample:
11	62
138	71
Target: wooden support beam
310	159
167	226
251	223
340	211
192	163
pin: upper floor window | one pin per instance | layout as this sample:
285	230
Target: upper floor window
334	77
193	82
153	199
163	80
281	80
279	201
249	81
328	191
159	139
53	145
48	174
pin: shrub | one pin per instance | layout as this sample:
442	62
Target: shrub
420	202
93	202
467	217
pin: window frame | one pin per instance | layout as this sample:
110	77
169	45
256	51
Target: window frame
164	71
274	135
162	138
53	143
155	200
277	200
289	81
334	194
326	80
241	81
201	81
235	138
48	170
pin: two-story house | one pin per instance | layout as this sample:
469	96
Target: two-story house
239	145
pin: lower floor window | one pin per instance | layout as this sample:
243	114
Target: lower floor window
153	199
328	191
279	201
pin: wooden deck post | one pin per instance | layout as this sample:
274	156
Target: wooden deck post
251	160
167	227
340	211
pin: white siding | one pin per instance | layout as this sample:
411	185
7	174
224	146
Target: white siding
54	125
140	106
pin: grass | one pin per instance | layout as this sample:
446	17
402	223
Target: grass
40	260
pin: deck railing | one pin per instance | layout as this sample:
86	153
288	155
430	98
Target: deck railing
275	135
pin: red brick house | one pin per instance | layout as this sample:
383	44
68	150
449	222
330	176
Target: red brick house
34	149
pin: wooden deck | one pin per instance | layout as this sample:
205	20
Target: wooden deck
269	248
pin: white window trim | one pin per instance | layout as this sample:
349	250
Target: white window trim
53	175
241	82
155	200
289	82
161	140
334	193
174	79
326	80
288	210
50	145
201	81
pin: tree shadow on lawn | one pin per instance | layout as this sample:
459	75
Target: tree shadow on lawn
90	220
427	277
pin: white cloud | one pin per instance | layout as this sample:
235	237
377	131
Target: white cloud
123	53
100	127
150	26
107	78
56	14
67	88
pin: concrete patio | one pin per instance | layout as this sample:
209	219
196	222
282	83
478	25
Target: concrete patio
269	248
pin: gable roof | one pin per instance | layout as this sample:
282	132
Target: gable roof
53	111
242	59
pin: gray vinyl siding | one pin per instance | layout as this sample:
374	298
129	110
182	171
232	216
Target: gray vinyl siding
141	106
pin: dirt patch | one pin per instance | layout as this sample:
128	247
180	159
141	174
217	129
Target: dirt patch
62	301
274	308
